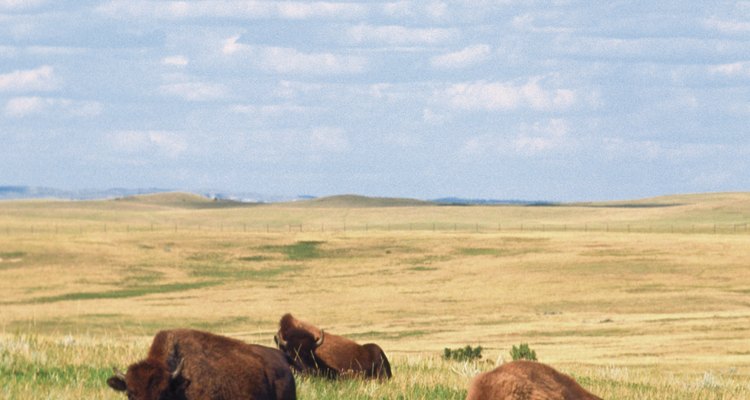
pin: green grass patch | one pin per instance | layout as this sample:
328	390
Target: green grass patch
53	375
422	268
254	258
226	272
480	252
106	324
12	254
372	335
358	389
123	293
304	250
496	252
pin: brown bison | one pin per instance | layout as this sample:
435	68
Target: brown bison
186	364
526	380
315	351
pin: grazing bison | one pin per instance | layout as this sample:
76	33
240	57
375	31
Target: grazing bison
315	351
186	364
526	380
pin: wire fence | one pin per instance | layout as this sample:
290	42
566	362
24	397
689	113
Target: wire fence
80	229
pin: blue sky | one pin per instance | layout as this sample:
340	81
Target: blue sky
513	99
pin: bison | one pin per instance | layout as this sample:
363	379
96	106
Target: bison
314	351
526	380
185	364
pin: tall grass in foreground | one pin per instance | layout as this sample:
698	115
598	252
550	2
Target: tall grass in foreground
44	367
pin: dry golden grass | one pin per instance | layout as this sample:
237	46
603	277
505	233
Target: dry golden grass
654	313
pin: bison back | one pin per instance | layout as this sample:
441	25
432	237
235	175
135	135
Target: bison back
222	368
526	380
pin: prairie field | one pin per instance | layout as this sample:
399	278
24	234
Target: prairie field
644	299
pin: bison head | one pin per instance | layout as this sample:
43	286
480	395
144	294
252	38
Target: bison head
151	380
299	345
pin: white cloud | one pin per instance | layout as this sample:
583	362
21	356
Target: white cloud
170	144
541	137
733	69
177	10
53	51
38	79
231	47
531	139
399	35
726	26
8	51
289	60
195	91
305	10
493	96
463	58
176	61
272	110
434	118
328	139
528	23
20	5
662	150
401	9
19	107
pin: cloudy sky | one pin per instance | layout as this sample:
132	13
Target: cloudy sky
513	99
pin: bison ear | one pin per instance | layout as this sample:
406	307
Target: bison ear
117	383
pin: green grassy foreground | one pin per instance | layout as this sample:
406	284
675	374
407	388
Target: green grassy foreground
659	313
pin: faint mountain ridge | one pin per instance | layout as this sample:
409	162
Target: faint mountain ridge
42	192
20	192
460	201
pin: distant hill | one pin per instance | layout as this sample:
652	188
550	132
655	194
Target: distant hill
356	201
739	201
40	192
182	200
459	201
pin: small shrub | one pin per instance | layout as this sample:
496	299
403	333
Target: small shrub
463	354
523	352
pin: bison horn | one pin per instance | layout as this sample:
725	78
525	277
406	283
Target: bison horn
279	339
319	342
118	373
178	370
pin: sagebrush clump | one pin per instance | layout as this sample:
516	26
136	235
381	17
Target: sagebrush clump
523	352
463	354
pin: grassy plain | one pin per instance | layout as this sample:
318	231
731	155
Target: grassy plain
637	300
